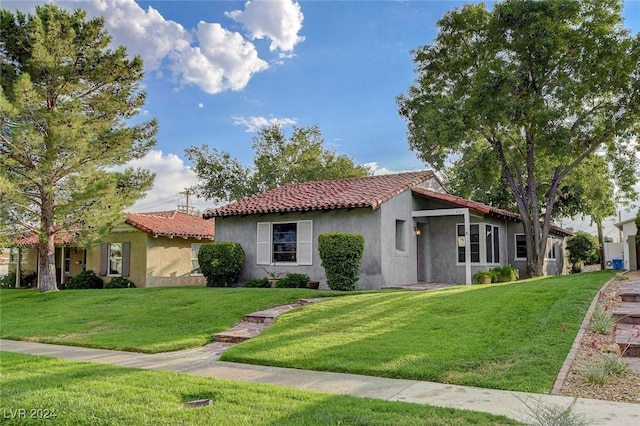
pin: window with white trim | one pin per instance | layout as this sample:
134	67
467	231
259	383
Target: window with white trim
115	259
551	252
195	265
521	247
484	243
285	242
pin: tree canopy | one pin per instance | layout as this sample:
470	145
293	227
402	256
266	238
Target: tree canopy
278	160
66	105
545	87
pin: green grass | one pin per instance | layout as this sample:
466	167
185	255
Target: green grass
143	320
80	393
513	336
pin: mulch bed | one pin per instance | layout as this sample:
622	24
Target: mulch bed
625	387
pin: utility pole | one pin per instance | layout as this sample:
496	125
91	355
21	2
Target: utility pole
182	208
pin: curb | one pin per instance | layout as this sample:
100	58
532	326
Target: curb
575	347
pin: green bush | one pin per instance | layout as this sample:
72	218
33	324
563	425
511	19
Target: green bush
257	283
293	281
120	282
85	279
505	273
221	263
341	256
478	277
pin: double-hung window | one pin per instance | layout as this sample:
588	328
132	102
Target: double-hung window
285	242
114	259
484	243
521	247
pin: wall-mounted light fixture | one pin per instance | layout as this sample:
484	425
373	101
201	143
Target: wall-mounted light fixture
417	231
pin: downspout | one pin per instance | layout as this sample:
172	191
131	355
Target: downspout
467	247
19	258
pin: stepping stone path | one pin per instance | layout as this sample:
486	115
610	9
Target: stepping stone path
253	324
627	317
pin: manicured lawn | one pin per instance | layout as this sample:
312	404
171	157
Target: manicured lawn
79	393
513	336
144	320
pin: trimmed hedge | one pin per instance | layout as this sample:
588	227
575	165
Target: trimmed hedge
85	279
341	256
257	283
221	262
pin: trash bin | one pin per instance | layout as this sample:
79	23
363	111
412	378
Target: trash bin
617	264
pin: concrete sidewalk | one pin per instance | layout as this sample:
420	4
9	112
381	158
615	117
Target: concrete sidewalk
204	362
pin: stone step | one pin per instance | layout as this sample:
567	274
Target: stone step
629	291
628	339
241	332
627	313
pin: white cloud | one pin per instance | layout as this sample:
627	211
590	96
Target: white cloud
200	105
172	178
279	20
253	124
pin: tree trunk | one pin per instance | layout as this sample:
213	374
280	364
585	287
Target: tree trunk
47	246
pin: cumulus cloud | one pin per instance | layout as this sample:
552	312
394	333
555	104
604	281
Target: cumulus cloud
278	20
253	124
209	56
173	176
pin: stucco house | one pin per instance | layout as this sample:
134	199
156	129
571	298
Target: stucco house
151	249
631	248
414	230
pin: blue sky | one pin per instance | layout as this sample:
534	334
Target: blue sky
217	70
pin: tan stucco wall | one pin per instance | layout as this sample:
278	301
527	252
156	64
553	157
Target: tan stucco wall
138	255
169	262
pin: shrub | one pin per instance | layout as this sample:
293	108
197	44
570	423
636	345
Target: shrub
341	255
479	277
583	247
293	281
120	282
221	263
257	283
85	279
602	321
505	273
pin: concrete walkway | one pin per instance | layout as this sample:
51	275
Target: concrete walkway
204	362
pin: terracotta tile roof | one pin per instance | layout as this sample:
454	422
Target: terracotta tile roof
31	239
364	192
172	224
479	207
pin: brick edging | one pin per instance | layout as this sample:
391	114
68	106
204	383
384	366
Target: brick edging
566	366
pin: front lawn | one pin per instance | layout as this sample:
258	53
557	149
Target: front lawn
52	391
514	336
141	319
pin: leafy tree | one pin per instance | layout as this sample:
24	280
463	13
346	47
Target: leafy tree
545	86
583	247
278	160
66	102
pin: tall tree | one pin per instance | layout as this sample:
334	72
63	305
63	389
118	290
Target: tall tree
66	103
278	160
543	85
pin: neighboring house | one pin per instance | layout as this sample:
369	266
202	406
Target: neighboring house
414	230
631	248
151	249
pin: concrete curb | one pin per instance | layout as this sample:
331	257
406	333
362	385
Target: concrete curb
571	356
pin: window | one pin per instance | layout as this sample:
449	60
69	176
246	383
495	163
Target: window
115	258
521	247
13	255
195	266
289	242
551	253
474	243
400	231
484	243
492	243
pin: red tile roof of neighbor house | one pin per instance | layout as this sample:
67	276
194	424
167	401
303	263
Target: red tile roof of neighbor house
478	207
157	224
172	224
363	192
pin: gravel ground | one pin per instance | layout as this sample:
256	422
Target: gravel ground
625	387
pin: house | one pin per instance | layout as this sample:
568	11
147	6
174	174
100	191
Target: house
151	249
414	230
631	248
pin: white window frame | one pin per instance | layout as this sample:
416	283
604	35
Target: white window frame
304	243
495	230
515	247
112	258
482	243
195	272
552	252
13	255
